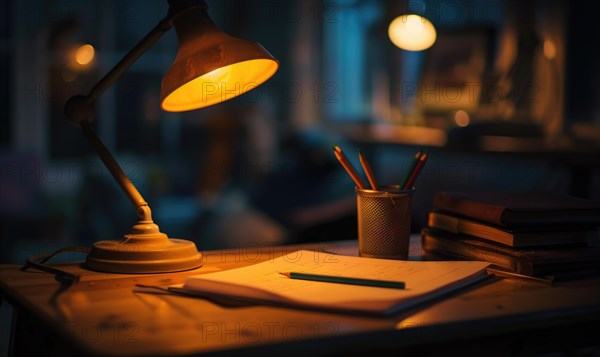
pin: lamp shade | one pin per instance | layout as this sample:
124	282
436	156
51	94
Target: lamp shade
211	66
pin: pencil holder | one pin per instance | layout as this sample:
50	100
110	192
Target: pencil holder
384	222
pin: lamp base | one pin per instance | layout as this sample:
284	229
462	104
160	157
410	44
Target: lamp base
120	257
146	250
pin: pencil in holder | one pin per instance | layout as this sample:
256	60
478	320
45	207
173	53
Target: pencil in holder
384	222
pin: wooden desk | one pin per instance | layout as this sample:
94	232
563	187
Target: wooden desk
103	316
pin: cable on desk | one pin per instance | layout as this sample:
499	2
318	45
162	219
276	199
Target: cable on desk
63	277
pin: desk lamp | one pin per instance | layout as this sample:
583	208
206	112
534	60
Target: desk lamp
210	67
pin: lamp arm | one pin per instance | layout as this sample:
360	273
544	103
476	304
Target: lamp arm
115	170
176	7
80	110
129	59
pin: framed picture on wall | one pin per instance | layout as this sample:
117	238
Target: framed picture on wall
453	72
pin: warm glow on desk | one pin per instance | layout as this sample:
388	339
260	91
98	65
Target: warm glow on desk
412	32
220	85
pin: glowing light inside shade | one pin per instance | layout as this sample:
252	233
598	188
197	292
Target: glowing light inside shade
549	49
219	85
412	32
461	118
84	54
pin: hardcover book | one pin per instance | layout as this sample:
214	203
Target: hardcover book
513	209
534	262
517	237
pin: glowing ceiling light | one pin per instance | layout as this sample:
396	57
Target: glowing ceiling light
412	32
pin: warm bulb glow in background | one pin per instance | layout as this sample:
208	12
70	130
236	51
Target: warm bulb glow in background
549	49
84	54
461	118
412	32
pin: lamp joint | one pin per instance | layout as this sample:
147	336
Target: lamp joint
144	213
78	109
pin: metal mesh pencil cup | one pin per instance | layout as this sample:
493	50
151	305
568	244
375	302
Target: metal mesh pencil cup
384	222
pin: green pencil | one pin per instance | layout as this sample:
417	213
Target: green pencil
344	280
412	168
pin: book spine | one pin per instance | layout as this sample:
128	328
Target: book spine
459	250
477	210
451	223
444	222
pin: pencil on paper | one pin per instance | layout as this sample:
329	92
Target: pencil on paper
368	171
345	280
348	167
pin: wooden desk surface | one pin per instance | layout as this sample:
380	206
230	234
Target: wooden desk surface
101	315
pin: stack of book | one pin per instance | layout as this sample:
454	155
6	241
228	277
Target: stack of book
529	233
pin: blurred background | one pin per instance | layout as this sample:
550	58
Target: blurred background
506	98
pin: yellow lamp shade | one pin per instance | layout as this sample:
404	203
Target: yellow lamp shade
211	66
412	32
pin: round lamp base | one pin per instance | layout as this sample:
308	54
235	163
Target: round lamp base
146	256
